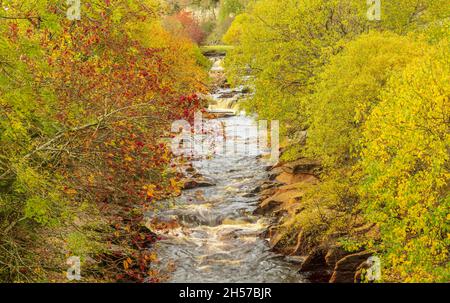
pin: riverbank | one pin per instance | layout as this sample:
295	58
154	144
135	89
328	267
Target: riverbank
283	199
236	219
211	233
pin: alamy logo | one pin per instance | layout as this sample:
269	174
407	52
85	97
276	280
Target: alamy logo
226	138
374	11
74	271
74	10
374	270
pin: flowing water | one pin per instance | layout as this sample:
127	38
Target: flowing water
219	239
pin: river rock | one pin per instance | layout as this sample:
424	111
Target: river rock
346	269
315	267
276	243
191	184
288	178
281	197
275	172
276	237
268	193
219	114
335	254
227	95
264	186
191	170
314	261
304	165
295	259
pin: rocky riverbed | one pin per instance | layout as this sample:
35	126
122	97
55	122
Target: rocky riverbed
212	232
227	224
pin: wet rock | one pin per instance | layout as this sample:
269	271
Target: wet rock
267	207
302	170
335	254
284	178
314	261
220	114
191	184
190	170
295	259
264	186
346	269
227	95
277	244
275	239
285	195
158	223
315	267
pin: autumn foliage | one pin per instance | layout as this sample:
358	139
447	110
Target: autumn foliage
86	108
184	24
372	98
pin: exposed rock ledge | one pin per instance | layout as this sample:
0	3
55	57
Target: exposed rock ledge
192	179
282	196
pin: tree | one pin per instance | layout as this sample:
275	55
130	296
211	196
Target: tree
349	88
405	162
84	106
321	67
284	44
184	24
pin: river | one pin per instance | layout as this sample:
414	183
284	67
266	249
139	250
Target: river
218	238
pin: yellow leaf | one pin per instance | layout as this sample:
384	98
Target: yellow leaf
71	191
